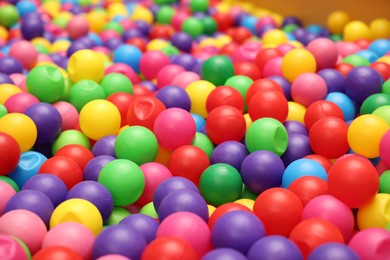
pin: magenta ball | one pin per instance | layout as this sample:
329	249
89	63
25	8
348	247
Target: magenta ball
125	70
372	243
174	127
183	79
384	148
308	88
11	249
324	51
6	193
273	67
151	63
69	115
113	257
77	27
167	73
18	103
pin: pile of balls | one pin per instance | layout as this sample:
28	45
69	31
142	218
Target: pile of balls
199	129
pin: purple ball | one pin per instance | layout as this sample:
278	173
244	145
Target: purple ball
187	61
238	230
113	43
4	78
333	78
224	254
274	247
170	185
34	201
144	27
333	251
174	96
262	170
105	146
295	127
92	169
265	28
182	41
59	60
144	224
95	193
149	85
284	83
291	20
299	34
52	186
32	26
362	82
132	33
298	147
183	200
198	67
10	65
229	152
119	239
308	37
48	121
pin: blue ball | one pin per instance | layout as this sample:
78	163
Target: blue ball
303	167
249	22
128	54
25	7
315	28
369	55
345	103
200	122
380	47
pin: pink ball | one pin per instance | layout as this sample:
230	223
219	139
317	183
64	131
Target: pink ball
113	257
6	192
372	243
246	52
178	19
384	149
187	226
185	78
167	73
109	34
308	88
273	67
154	174
26	226
11	249
25	52
174	127
18	103
19	80
102	49
72	235
152	62
329	208
347	48
285	47
77	26
125	70
69	115
127	24
43	58
324	51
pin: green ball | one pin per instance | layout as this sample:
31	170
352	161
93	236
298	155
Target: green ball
386	87
246	194
383	112
11	182
70	137
164	2
61	22
3	110
384	182
203	142
149	210
137	144
373	102
116	216
41	48
114	26
116	82
220	183
8	15
46	83
336	37
85	91
267	134
356	60
209	25
217	70
68	86
290	28
170	50
193	27
164	14
199	5
242	84
124	179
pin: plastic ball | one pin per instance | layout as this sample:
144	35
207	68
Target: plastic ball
85	91
296	112
266	54
85	64
276	107
13	248
230	152
337	20
143	111
302	167
373	214
25	52
122	101
324	51
57	252
10	153
184	79
144	224
174	96
80	154
274	247
262	85
333	251
380	28
357	189
345	103
117	215
6	192
224	95
171	248
295	127
334	80
192	26
69	114
279	209
373	102
167	73
308	88
8	90
247	69
321	109
297	62
356	30
182	40
70	137
9	15
217	70
308	188
382	68
10	65
371	243
151	63
94	166
203	142
298	147
198	92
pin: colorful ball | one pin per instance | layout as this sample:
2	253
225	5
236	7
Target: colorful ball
94	166
217	70
85	64
143	111
324	51
85	91
144	224
174	96
321	109
271	104
198	92
152	62
69	114
70	137
308	88
356	30
274	247
171	248
25	52
230	152
54	252
297	62
13	248
6	192
9	153
345	103
373	214
298	147
308	188
80	154
300	168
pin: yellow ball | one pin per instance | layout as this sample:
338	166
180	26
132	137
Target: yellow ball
3	33
52	7
375	214
85	64
365	134
296	112
20	127
99	118
274	37
297	62
80	211
357	30
143	14
384	59
96	21
41	41
337	20
246	202
208	41
380	28
8	90
117	9
156	45
60	46
211	209
248	120
199	91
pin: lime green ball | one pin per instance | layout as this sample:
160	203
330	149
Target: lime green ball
137	144
8	15
203	142
383	112
70	137
118	213
68	86
124	179
84	3
149	210
217	70
3	110
164	14
114	26
356	60
11	182
61	22
267	134
242	84
373	102
336	37
193	27
209	25
220	183
41	48
46	83
116	82
290	28
199	5
246	194
384	182
170	50
386	87
85	91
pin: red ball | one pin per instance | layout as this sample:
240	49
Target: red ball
308	187
188	161
268	104
353	180
141	91
363	43
223	209
382	68
311	233
224	21
248	69
229	49
122	101
225	123
344	68
138	42
58	253
161	31
64	168
262	85
321	109
80	154
328	137
9	153
172	248
265	55
240	34
279	209
224	96
143	111
325	162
